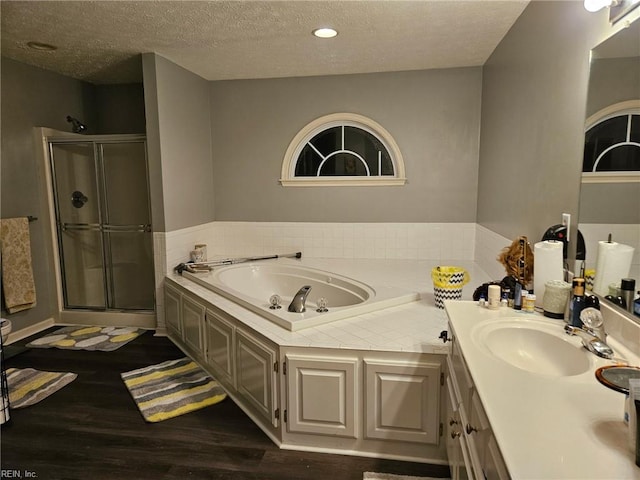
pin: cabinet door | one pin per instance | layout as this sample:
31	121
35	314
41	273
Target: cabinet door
256	375
482	444
402	401
322	395
220	347
172	310
192	324
495	468
453	431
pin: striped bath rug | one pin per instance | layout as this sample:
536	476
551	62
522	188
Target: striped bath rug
104	339
172	388
28	386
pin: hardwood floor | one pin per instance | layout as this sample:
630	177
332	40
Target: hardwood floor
91	429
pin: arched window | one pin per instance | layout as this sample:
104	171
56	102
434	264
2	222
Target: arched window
612	143
343	149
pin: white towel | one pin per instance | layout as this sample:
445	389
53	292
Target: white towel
17	273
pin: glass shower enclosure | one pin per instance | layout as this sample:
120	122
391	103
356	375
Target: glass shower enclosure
103	220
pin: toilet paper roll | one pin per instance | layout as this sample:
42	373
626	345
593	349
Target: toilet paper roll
612	263
547	266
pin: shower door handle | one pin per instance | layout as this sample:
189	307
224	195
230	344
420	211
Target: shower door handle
79	226
126	228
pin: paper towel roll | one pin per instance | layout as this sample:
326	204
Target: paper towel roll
612	264
547	266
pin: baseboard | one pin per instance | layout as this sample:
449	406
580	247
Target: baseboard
161	332
25	332
108	319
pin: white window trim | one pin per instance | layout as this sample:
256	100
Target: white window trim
287	175
622	108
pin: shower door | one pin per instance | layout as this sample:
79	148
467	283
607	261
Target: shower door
103	221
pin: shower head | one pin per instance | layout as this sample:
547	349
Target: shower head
77	125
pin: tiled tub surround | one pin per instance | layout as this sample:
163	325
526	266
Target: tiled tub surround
412	327
442	242
379	372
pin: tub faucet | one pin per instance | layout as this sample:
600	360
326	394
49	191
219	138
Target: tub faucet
592	334
299	300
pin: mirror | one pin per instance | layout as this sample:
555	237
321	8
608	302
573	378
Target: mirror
610	204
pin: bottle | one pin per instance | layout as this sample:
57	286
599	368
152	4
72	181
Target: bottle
504	300
493	297
578	301
482	301
530	303
517	297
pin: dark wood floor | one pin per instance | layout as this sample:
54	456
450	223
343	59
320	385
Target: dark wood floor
91	429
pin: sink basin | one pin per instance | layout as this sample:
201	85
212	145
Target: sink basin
537	347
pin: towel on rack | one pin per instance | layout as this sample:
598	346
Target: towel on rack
17	273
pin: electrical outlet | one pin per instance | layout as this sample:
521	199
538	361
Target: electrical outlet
566	221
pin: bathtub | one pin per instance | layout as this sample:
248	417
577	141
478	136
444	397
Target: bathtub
253	284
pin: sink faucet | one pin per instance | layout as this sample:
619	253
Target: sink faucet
299	300
592	333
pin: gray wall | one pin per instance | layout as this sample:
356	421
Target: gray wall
610	203
120	108
611	80
533	110
433	115
179	135
32	97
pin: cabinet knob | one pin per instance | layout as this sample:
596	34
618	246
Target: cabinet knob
455	434
452	422
469	429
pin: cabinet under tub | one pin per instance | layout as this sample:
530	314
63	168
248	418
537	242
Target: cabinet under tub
382	404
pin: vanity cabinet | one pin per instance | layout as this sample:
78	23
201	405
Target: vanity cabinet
457	448
472	449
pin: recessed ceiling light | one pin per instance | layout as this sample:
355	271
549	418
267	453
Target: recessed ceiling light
325	32
45	47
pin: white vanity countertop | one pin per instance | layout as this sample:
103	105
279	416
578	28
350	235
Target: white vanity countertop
412	327
547	427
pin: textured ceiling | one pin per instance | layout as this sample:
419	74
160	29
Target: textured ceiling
100	41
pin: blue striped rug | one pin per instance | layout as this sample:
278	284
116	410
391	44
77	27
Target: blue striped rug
28	386
172	388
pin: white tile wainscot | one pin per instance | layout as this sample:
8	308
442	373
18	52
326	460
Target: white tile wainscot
379	373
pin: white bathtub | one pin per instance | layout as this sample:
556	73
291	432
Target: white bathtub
252	285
